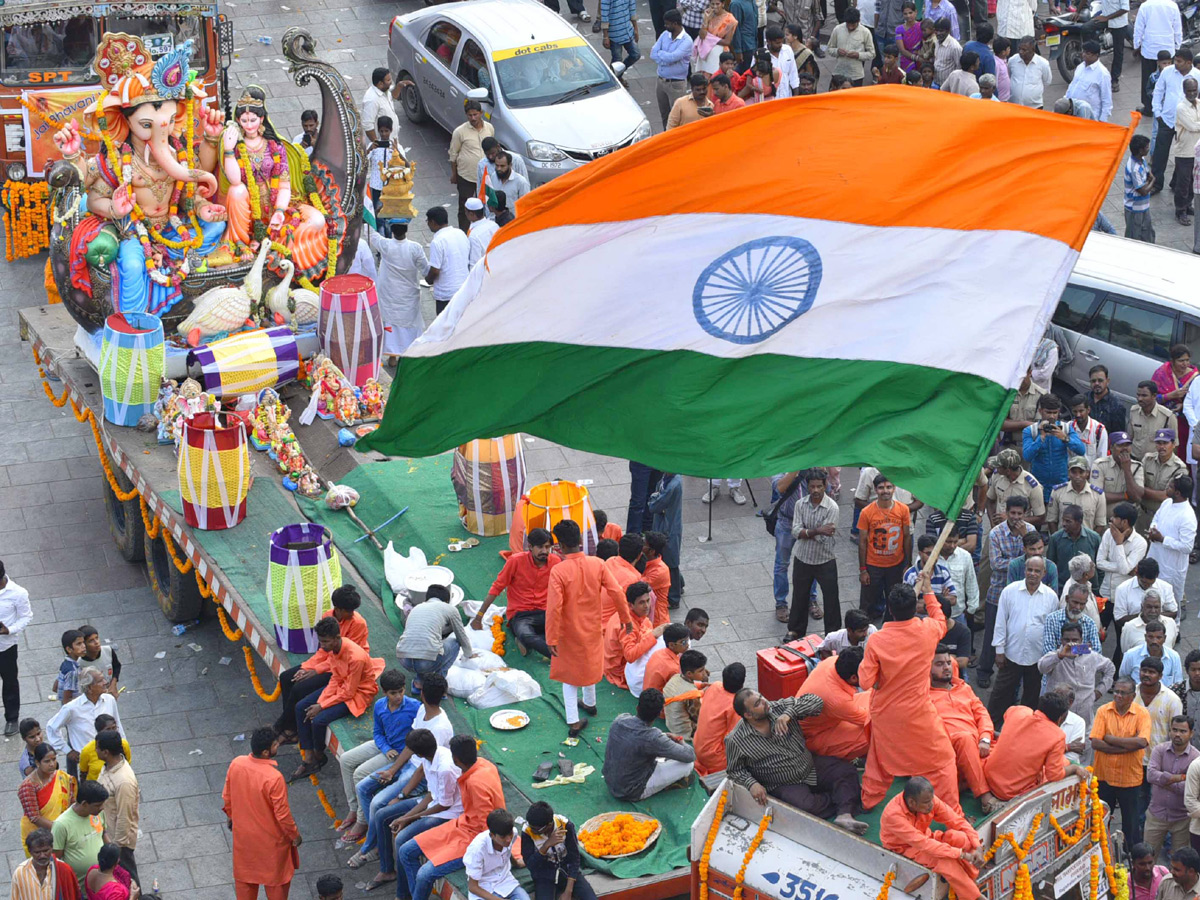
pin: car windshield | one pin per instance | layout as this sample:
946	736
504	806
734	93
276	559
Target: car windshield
538	77
54	51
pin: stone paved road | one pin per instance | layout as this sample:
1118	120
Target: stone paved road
54	538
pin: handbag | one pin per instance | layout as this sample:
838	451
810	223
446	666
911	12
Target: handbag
771	516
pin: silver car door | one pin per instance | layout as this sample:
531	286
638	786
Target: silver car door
1131	337
1074	312
435	75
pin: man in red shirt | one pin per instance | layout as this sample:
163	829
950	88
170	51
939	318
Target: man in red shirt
724	99
313	674
1031	749
526	577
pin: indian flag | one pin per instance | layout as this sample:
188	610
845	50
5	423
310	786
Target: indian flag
486	195
845	279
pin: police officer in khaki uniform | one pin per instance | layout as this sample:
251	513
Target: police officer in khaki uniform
1021	415
1118	475
1076	491
1010	479
1146	417
1159	469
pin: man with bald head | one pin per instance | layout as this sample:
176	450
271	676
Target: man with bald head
955	853
1020	617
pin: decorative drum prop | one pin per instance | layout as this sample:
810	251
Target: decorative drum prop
214	471
248	362
302	575
131	366
549	503
350	326
489	478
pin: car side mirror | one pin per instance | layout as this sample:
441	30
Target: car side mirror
618	68
483	95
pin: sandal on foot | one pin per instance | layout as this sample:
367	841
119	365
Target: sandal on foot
361	859
574	730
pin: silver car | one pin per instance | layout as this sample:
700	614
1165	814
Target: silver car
548	94
1125	304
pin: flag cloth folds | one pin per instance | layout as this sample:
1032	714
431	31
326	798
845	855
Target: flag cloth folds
754	292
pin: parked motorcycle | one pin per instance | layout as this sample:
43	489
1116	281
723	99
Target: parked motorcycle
1066	33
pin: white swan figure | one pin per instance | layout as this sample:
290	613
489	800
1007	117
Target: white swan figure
225	308
306	302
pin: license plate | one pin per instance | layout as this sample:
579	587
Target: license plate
1052	40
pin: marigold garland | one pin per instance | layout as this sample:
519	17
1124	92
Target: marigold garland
888	880
708	843
26	218
258	688
620	834
741	875
498	636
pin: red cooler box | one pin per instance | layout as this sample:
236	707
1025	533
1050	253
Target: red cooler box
782	670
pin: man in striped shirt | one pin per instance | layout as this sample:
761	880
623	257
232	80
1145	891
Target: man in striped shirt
1005	543
814	523
618	22
1139	182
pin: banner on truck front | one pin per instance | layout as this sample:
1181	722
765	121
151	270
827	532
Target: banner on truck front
58	106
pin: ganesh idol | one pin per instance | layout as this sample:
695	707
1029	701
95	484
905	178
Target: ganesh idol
150	188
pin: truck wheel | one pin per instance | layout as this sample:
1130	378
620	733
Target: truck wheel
177	594
414	106
125	519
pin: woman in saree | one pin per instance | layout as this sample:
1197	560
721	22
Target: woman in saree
806	60
908	36
259	197
1172	379
108	881
715	37
45	793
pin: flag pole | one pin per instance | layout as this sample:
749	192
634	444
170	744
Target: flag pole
937	548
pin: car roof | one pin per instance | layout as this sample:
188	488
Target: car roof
1140	267
502	24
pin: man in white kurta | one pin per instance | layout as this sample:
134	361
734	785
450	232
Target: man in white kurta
480	231
1172	535
402	265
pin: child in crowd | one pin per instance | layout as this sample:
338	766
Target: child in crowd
1139	182
377	158
67	683
683	692
664	662
329	887
100	656
31	734
488	860
858	629
607	549
91	765
696	621
890	73
606	529
550	849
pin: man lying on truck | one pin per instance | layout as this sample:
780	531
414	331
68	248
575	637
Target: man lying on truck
955	853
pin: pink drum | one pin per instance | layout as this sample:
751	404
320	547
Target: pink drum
350	326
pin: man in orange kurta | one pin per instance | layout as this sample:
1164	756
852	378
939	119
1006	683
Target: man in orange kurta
955	853
843	727
574	627
444	846
664	662
1031	750
265	836
907	735
967	722
630	649
294	683
622	569
657	574
353	684
717	719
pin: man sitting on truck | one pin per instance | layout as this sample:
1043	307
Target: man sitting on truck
955	853
967	722
1032	748
842	728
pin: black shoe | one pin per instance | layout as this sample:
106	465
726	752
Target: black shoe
590	710
10	728
596	27
983	682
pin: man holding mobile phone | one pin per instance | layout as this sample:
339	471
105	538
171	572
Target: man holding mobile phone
1047	445
1073	664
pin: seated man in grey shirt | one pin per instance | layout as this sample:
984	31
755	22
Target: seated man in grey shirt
425	645
639	759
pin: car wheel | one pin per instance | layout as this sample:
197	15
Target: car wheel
414	106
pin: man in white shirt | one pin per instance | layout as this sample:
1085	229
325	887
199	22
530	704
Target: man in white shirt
962	573
480	231
1092	83
15	615
1029	74
1172	535
485	171
1168	92
402	265
488	861
512	183
1158	27
1121	549
1014	18
1133	631
785	59
1127	599
74	725
1090	431
449	252
1020	616
377	101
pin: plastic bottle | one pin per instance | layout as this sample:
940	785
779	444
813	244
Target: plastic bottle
264	39
179	629
156	893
